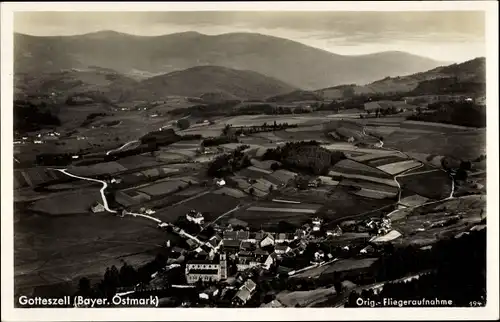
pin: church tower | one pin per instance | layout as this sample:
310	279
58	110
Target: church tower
223	266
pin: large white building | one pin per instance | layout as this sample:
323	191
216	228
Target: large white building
206	270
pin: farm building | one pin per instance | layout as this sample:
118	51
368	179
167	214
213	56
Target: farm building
98	208
195	216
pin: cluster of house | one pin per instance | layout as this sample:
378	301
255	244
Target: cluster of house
39	138
382	227
247	249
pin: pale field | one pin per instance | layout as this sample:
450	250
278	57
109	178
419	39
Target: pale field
398	167
414	200
393	234
374	194
388	182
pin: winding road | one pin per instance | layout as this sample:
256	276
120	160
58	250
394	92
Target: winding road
104	186
122	147
106	206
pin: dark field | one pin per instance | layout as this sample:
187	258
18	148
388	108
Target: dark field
49	250
433	185
210	205
466	145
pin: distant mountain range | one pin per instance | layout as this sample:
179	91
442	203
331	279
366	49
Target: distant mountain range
463	77
138	57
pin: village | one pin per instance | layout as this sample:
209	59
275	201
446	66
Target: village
225	265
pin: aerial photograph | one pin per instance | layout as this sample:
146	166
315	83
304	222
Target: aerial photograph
249	159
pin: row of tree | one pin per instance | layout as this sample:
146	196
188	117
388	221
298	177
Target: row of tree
304	155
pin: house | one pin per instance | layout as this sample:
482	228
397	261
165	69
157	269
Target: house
98	208
205	251
317	221
246	261
206	270
367	249
299	233
267	241
282	237
242	235
195	217
230	245
229	235
245	292
260	253
246	245
270	260
215	240
336	232
282	249
220	182
319	255
191	243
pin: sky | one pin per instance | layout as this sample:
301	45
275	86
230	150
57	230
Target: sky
451	36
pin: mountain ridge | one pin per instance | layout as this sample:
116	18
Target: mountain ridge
290	61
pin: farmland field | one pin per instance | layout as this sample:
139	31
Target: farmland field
378	161
230	192
162	188
305	298
427	219
136	161
398	167
253	173
414	200
343	205
336	174
371	156
268	220
432	185
353	167
374	194
312	128
48	249
73	202
393	189
210	205
465	145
